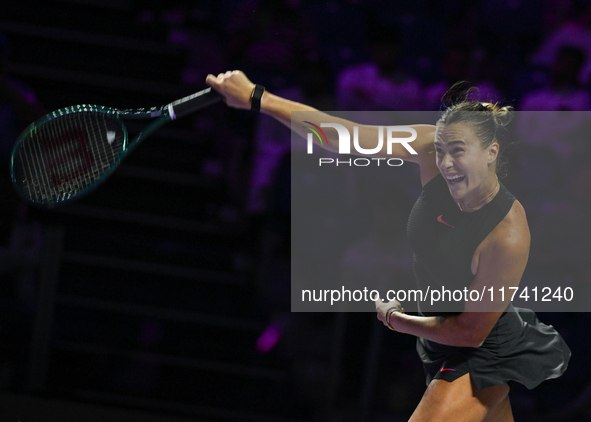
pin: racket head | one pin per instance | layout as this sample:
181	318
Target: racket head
67	153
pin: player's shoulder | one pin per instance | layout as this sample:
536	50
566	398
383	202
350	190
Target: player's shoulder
512	234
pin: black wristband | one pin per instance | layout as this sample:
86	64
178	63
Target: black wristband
255	98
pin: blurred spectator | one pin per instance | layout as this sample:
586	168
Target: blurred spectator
341	27
457	65
380	84
423	25
508	30
521	20
563	91
192	27
460	20
268	38
575	33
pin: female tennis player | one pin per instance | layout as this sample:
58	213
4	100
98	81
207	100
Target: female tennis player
466	230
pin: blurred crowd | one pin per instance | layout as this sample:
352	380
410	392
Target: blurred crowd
393	55
403	55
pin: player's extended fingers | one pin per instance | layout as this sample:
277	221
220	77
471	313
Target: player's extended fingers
212	80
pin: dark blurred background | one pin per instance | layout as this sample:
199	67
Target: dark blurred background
164	295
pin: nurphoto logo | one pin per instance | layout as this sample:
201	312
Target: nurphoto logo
345	144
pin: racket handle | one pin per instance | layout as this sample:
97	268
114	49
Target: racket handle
192	103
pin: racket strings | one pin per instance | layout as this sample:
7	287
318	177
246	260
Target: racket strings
66	155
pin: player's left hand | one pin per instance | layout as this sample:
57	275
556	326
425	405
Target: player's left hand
382	309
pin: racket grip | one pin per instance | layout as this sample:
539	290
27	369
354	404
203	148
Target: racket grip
192	103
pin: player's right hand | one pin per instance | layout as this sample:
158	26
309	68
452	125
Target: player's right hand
234	86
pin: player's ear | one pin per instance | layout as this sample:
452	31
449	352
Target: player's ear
493	152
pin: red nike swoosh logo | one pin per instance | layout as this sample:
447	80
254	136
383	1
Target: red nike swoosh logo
441	221
446	369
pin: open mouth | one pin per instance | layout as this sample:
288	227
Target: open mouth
456	178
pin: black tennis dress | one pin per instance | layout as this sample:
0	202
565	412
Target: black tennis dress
519	347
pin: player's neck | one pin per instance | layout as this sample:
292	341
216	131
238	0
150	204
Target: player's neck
474	204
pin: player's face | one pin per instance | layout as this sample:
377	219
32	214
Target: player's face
468	168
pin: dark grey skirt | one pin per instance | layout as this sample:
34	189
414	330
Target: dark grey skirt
519	348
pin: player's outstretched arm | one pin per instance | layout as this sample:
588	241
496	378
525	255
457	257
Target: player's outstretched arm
237	90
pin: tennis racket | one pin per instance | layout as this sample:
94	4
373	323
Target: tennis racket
69	152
